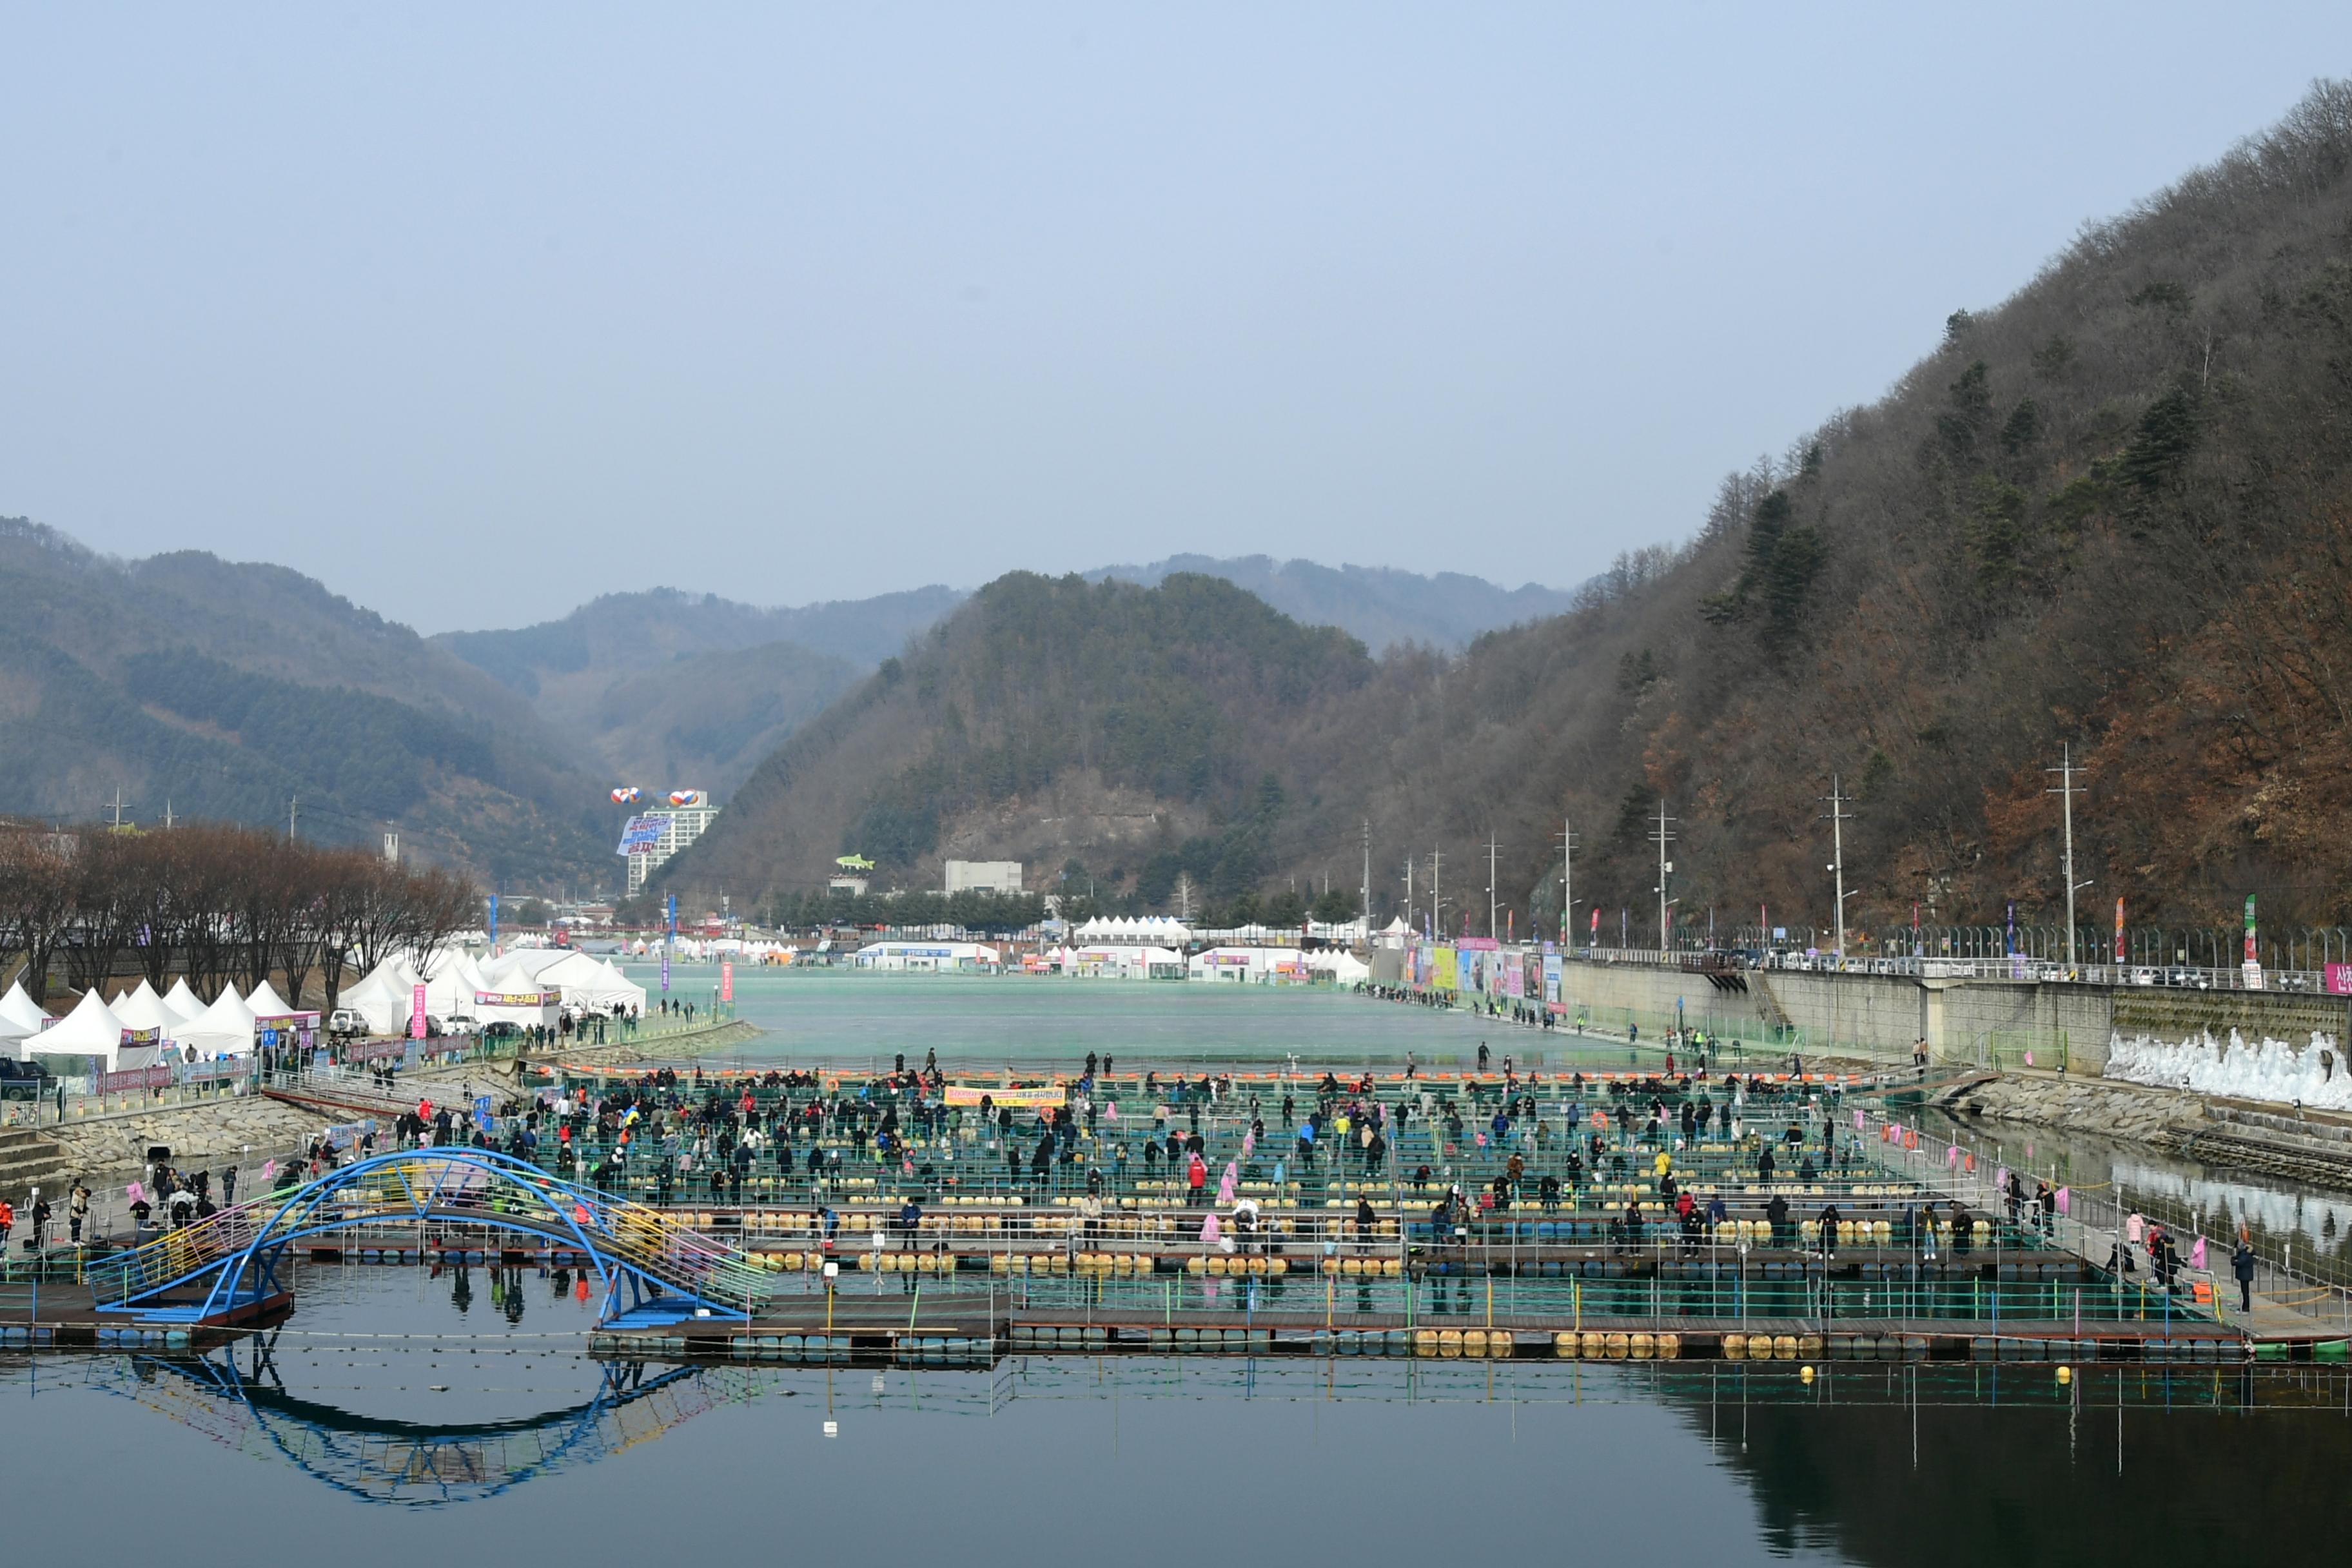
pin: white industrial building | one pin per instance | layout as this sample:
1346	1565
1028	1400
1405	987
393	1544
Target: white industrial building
983	875
899	957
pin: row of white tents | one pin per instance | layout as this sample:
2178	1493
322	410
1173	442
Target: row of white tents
456	983
133	1030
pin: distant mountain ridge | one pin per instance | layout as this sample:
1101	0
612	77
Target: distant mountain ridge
210	688
665	689
1381	607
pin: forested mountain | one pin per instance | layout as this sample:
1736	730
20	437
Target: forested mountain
1045	720
229	690
1378	605
666	689
2112	513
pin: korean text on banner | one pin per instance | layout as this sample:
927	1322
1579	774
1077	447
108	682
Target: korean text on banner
1030	1099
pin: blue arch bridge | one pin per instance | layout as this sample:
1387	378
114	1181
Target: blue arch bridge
225	1268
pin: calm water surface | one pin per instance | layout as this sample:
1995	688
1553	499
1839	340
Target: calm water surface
401	1417
400	1413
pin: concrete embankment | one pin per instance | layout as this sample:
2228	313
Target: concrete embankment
1964	1019
2314	1147
112	1148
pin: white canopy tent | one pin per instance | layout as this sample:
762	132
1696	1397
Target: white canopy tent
143	1009
20	1015
384	999
265	1003
223	1029
92	1030
584	981
183	1001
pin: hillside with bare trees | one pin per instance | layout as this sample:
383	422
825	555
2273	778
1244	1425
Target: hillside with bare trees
2112	514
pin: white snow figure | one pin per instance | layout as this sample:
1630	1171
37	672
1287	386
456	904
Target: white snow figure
2273	1069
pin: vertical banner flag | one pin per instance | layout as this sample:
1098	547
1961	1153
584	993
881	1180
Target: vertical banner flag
726	981
2119	930
416	1011
669	939
2254	962
1596	925
494	924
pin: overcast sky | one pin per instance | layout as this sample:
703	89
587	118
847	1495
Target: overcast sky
476	312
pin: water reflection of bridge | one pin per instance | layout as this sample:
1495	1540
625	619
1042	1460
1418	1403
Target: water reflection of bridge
237	1398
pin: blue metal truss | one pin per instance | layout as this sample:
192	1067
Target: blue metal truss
466	1186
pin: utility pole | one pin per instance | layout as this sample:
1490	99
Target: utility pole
117	808
1839	817
293	803
167	814
1567	879
1666	868
1436	904
1367	880
1408	893
1493	932
2065	772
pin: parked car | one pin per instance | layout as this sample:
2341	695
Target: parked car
2143	976
345	1024
22	1081
460	1024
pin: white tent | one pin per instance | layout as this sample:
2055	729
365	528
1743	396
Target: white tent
384	999
92	1030
1342	967
183	1001
143	1009
20	1015
585	982
265	1003
224	1028
450	991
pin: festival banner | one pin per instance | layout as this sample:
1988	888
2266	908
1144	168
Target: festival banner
727	979
1445	973
1019	1098
516	998
1551	982
416	1011
2119	930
